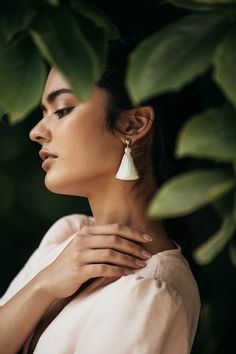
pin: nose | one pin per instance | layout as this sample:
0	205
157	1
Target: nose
40	133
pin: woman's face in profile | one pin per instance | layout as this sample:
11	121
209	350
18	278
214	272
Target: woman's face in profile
83	152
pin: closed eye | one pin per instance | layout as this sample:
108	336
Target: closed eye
63	111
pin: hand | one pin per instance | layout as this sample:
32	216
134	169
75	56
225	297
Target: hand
89	255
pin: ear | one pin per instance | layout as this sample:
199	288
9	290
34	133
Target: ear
135	123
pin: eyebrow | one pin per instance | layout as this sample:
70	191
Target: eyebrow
52	96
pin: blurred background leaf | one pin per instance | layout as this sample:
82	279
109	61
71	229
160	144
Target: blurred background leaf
202	32
209	135
224	61
16	72
188	192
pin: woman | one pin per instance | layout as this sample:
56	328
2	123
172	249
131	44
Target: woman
114	282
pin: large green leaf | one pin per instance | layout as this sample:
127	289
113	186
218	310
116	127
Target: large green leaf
53	2
211	134
61	42
202	5
22	77
224	62
190	191
97	16
207	251
213	2
174	56
190	5
15	21
97	37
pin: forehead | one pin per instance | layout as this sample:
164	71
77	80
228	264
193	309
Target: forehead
55	81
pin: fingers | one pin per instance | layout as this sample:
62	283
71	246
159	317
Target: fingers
116	244
114	229
110	256
105	270
113	242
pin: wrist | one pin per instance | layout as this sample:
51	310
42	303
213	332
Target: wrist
41	287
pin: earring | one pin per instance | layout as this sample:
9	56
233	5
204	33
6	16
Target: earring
127	169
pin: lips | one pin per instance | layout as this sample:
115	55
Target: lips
47	158
46	154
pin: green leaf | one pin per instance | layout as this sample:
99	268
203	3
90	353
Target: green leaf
190	5
201	5
16	21
190	191
97	16
207	251
53	2
211	134
22	78
63	45
98	40
172	57
213	2
224	61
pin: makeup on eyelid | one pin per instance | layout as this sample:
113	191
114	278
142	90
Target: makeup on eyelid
66	110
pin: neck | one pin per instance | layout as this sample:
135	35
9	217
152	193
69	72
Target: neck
119	202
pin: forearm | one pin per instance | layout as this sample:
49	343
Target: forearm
20	315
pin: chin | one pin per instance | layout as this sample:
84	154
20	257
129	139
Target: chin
62	186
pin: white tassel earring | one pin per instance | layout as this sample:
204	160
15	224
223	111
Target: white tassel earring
127	169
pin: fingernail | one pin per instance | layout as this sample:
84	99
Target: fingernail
147	237
146	254
140	263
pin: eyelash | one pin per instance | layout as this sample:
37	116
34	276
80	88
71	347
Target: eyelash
67	110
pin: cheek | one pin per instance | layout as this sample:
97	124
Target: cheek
93	143
85	152
93	151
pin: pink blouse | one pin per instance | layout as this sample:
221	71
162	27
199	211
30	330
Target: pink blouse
153	311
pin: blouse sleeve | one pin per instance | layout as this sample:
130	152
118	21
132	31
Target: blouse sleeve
56	234
146	316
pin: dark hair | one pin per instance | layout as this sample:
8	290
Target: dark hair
113	80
